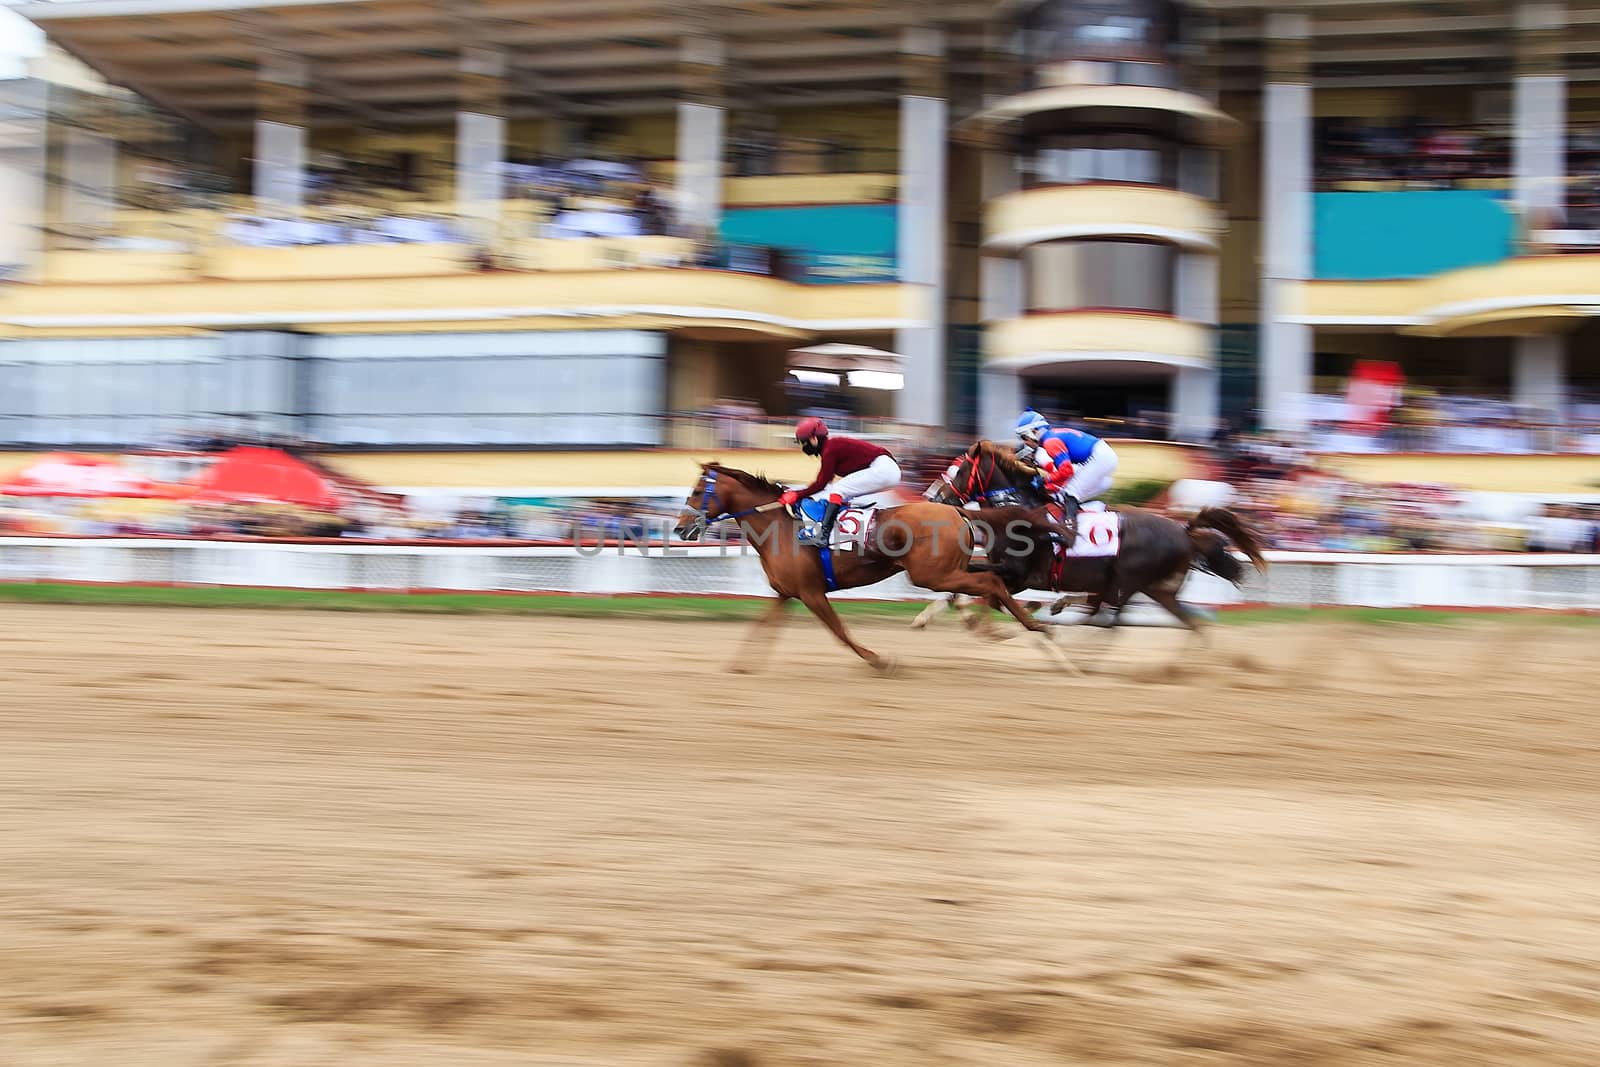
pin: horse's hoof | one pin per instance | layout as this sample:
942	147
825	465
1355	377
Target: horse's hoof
919	623
885	665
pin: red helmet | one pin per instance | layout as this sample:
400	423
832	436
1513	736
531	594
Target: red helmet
810	427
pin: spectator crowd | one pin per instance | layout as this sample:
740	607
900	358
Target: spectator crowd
1299	505
1417	153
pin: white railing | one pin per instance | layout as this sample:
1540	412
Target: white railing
1552	582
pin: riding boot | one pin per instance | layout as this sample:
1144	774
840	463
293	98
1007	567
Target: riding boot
1069	516
819	534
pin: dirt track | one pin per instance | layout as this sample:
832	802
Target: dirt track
273	839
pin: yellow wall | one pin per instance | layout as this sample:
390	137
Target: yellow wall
467	470
1009	219
692	376
810	189
1139	460
1536	284
1097	332
237	263
749	300
647	136
871	128
1439	104
1553	475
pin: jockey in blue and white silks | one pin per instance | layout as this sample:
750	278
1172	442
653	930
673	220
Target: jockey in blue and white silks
1077	465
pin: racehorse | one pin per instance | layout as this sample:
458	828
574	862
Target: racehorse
931	543
1154	556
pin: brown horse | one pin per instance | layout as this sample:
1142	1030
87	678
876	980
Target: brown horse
1154	558
931	543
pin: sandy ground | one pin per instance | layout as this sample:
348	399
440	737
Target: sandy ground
285	839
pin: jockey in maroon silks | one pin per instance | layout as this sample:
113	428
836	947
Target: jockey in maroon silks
860	466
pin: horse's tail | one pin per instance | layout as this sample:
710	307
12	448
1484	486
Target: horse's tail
1212	555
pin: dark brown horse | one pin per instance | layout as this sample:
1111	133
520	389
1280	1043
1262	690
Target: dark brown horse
1154	558
931	543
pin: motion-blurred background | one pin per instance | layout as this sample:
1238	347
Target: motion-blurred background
484	269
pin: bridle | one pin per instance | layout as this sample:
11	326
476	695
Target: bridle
708	500
977	487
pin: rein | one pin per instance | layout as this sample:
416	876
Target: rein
708	499
977	484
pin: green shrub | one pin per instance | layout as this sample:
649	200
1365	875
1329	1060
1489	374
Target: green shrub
1135	494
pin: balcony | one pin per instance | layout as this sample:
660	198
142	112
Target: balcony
541	284
1180	115
1053	213
1513	297
1095	336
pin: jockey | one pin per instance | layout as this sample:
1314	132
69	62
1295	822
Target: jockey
1077	466
861	467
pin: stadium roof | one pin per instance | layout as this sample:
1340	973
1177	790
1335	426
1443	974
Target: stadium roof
396	61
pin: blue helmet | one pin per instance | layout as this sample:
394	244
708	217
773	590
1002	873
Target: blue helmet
1032	425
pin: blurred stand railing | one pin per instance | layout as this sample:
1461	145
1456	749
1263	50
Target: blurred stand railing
1461	438
1552	582
420	430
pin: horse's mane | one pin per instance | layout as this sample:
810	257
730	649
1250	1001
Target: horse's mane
758	482
1003	457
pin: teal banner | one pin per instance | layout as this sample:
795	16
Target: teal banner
1409	234
832	243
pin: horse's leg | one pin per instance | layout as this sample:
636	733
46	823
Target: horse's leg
977	619
1107	607
1064	599
1168	599
744	662
1045	632
994	592
936	607
822	608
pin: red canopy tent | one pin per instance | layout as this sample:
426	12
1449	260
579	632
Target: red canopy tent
67	474
265	476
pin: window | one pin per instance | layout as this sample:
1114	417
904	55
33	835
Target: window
1124	275
1072	159
1088	29
579	387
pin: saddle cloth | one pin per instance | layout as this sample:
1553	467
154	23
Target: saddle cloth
1099	535
850	529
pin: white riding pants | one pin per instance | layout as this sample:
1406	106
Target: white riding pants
1093	476
884	473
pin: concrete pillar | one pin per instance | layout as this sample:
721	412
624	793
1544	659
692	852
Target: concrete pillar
23	162
481	142
89	172
701	132
1285	221
1195	397
924	136
1001	280
557	139
1539	375
1001	399
1194	403
1539	114
282	87
1195	287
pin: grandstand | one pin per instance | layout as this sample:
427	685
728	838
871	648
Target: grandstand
514	225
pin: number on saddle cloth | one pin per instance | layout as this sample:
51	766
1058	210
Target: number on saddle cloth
1099	534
